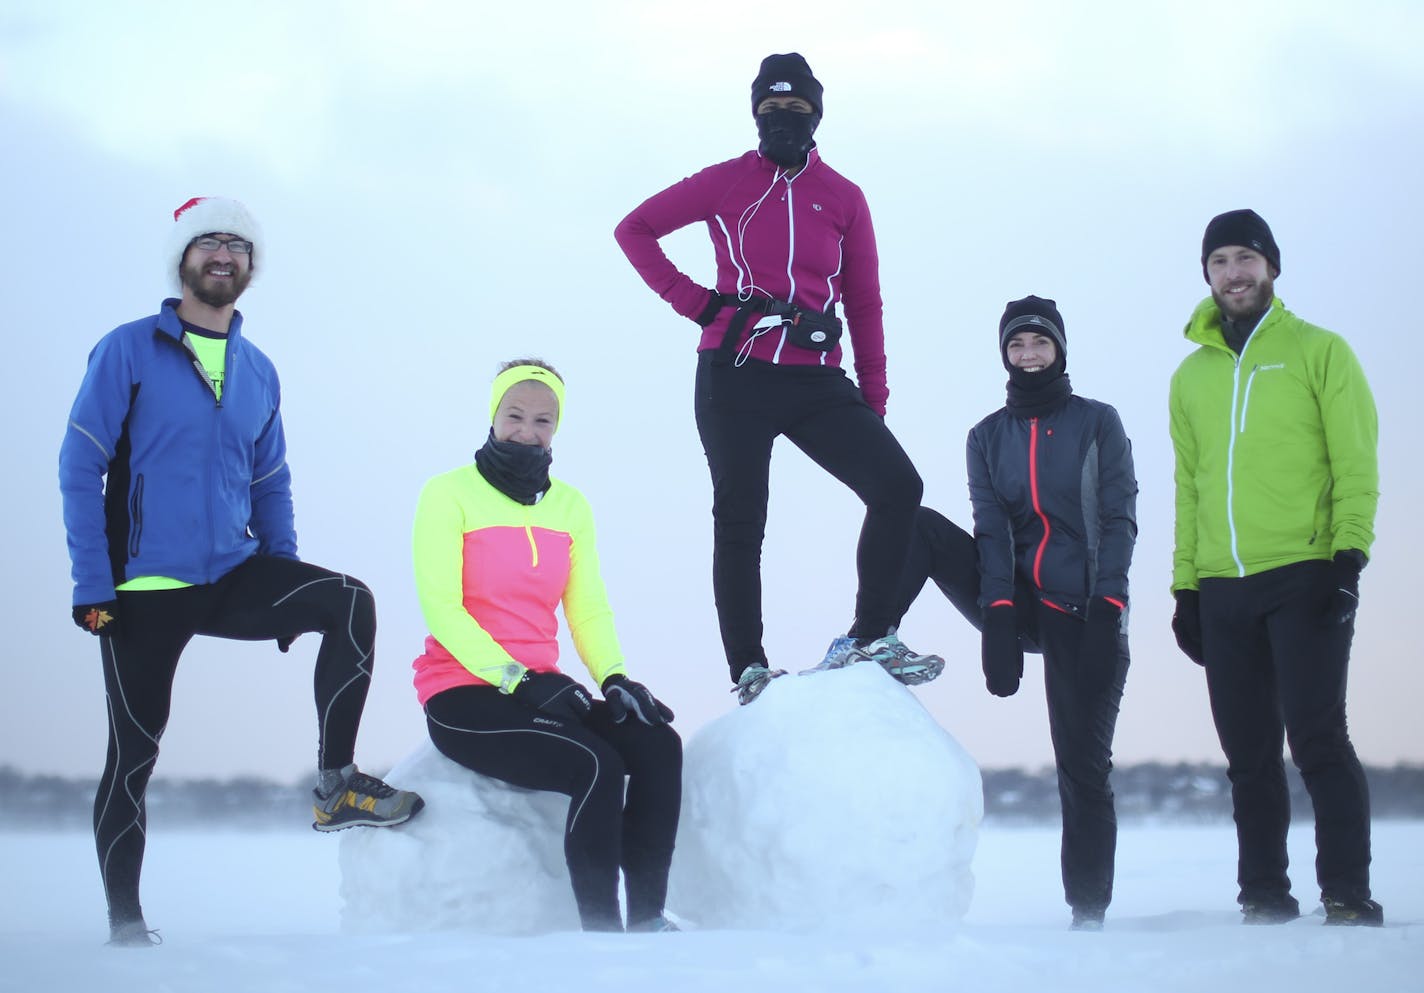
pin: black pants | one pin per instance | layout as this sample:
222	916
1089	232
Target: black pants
1083	700
740	411
1276	673
487	731
262	599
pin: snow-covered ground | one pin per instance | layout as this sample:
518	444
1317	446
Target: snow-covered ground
262	912
842	776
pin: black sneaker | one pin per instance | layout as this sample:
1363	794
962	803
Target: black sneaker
1276	910
362	800
1353	913
1087	919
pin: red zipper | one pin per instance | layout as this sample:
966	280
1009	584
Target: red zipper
1033	492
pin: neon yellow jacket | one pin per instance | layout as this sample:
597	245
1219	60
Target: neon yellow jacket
1276	450
490	572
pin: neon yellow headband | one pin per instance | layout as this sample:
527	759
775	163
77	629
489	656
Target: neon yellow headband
525	374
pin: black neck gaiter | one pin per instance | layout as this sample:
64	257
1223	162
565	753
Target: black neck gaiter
520	472
786	136
1037	394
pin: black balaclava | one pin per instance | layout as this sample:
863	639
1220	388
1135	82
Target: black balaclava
520	472
786	135
1034	394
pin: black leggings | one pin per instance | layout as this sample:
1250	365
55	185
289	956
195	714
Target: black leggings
489	732
740	411
263	599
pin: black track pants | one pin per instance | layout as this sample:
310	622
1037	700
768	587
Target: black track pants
263	599
489	732
741	410
1083	699
1084	695
1277	673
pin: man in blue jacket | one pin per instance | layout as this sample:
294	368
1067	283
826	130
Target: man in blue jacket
178	510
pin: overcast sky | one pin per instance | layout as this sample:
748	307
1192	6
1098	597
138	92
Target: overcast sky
438	183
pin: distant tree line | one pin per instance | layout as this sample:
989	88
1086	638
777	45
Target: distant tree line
1148	791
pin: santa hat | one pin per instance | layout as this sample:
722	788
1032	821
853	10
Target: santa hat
208	215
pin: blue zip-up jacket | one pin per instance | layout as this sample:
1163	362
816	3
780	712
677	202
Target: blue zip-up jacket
195	486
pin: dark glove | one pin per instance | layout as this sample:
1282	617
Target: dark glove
1345	571
1003	658
1186	624
627	697
1100	647
98	618
553	693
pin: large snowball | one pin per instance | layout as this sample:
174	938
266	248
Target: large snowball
832	801
482	856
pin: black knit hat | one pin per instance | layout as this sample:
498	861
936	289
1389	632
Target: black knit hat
1240	227
786	75
1033	313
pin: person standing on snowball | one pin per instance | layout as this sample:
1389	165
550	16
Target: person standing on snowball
1055	521
498	546
178	510
1276	439
792	238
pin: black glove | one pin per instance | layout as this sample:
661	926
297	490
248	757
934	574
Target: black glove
1345	571
1100	647
553	693
98	618
1003	658
627	697
1186	624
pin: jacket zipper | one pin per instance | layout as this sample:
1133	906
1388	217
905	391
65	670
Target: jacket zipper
1237	393
1037	507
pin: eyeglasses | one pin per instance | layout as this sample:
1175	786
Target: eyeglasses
234	245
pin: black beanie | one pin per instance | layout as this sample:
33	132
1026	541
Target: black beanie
1033	314
786	75
1240	227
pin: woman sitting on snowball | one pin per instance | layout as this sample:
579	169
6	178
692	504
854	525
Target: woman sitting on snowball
499	545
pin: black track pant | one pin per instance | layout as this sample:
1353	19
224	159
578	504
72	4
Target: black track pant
1277	673
263	599
740	411
489	732
1083	699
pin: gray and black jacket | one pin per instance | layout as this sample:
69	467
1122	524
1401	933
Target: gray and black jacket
1055	499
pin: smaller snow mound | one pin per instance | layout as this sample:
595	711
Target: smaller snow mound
833	801
482	856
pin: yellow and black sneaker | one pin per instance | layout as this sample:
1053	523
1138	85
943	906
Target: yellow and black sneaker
1353	913
355	799
1270	910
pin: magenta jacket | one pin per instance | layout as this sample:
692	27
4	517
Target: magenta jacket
807	239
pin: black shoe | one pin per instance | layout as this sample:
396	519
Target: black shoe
1275	910
1087	919
1353	913
654	925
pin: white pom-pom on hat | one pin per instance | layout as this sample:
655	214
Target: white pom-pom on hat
208	215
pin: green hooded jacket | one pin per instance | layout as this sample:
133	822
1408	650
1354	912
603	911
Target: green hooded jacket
1275	450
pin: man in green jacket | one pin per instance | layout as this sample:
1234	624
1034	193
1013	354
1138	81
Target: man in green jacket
1275	434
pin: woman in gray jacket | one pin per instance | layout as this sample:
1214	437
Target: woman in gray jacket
1054	495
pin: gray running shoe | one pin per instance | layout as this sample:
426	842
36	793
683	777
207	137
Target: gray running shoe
358	799
841	654
653	925
753	680
896	658
133	934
